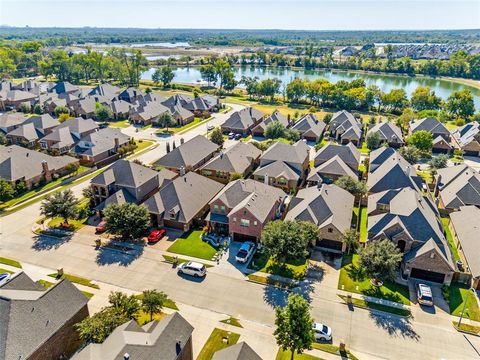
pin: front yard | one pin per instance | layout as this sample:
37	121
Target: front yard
456	297
191	244
293	269
353	279
219	339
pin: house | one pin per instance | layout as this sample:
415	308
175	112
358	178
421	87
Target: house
388	132
101	146
432	125
284	165
131	95
327	206
465	227
259	130
145	114
32	167
240	159
38	323
457	186
105	90
203	104
310	128
243	121
190	155
64	87
467	138
167	339
181	114
239	351
413	223
442	146
389	170
334	161
243	207
85	107
183	202
177	99
44	124
15	98
120	109
126	182
11	120
25	135
345	128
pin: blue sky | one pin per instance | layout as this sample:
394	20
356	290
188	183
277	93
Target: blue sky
245	14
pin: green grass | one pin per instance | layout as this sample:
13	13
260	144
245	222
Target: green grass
232	321
363	224
466	327
47	284
5	271
142	145
334	349
169	259
269	281
286	355
119	124
74	225
10	262
169	303
456	299
215	343
191	244
143	318
292	269
76	280
451	242
353	279
364	150
374	306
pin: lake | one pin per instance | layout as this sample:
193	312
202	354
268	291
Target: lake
443	88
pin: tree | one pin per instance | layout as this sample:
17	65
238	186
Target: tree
461	104
61	110
353	186
294	324
103	113
130	221
351	239
37	109
208	73
439	162
99	326
288	240
166	120
166	75
327	118
3	139
380	260
7	191
422	140
61	204
217	136
25	107
152	301
395	100
296	89
63	117
410	153
124	304
404	120
88	194
292	134
373	140
274	130
72	168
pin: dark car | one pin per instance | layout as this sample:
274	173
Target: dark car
156	235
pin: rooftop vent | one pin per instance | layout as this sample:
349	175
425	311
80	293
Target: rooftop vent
126	356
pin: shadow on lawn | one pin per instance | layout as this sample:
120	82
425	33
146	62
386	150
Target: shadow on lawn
47	242
377	292
395	326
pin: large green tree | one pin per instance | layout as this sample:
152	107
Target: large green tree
217	136
424	98
410	153
103	113
380	259
461	104
62	204
166	120
353	186
274	130
98	327
153	301
130	221
124	304
422	140
294	326
7	191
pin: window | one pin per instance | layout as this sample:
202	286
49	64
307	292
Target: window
215	207
244	222
330	230
222	208
44	145
234	219
255	223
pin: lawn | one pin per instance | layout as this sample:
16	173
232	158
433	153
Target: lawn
363	224
10	262
143	318
142	145
451	242
170	259
374	306
353	279
2	271
169	303
456	298
286	355
466	327
216	342
119	124
191	244
269	281
47	284
364	150
76	280
334	349
292	269
74	225
232	321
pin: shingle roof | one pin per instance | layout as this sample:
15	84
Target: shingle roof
467	133
29	316
120	107
431	125
348	153
236	159
20	95
459	185
12	119
240	351
345	122
27	131
277	169
243	119
157	340
294	154
79	125
108	90
335	166
276	116
189	153
324	206
42	122
387	131
63	87
101	141
309	123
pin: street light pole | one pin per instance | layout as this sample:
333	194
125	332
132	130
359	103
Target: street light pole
465	305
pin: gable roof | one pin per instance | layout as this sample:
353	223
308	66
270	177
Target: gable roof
459	185
101	141
63	87
189	153
243	119
467	133
106	89
429	124
240	351
10	119
236	159
334	166
61	137
79	125
387	131
293	154
26	131
276	116
42	122
348	153
309	123
345	122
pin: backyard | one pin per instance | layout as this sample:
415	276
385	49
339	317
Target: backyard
191	244
353	279
451	242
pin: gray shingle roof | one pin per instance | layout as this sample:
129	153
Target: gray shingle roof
308	123
100	141
27	131
237	158
8	120
431	125
243	119
240	351
348	153
335	166
345	123
276	116
387	131
79	125
42	122
280	151
459	185
467	133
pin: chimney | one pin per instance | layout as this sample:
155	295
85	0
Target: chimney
265	180
46	171
117	143
182	140
288	119
126	356
182	171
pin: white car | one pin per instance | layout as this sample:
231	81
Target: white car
193	269
4	278
424	295
322	332
245	251
210	127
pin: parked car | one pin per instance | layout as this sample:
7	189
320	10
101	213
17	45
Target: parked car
101	227
193	269
156	235
238	136
424	295
4	278
210	127
322	332
245	251
231	135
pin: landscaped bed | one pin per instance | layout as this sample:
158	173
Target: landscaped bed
334	349
169	303
467	328
266	280
170	259
232	321
219	339
191	244
293	269
353	279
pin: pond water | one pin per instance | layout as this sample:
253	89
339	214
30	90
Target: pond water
442	88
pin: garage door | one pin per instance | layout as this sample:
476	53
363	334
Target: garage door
243	237
329	244
427	275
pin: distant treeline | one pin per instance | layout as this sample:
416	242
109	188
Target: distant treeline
69	36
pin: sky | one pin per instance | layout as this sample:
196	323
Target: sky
245	14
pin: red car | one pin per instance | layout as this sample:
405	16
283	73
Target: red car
156	235
101	227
